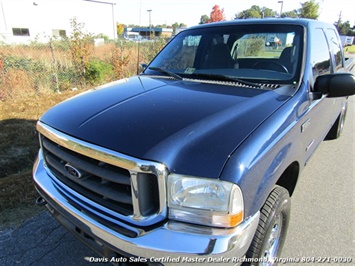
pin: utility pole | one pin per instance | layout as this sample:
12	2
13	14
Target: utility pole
150	24
4	18
282	4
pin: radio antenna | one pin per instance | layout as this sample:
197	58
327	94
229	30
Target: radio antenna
139	35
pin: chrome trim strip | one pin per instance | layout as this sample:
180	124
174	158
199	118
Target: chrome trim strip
133	165
137	214
97	152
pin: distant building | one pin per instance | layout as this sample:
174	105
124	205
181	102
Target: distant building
23	21
180	29
156	32
347	40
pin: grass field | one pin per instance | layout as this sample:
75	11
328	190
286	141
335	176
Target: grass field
350	49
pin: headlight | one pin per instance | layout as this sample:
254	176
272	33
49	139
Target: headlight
204	201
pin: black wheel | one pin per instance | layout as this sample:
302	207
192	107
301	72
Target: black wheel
270	65
337	129
271	232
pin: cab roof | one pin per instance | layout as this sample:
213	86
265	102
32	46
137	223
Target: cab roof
291	21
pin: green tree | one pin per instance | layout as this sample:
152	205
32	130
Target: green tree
217	14
256	12
175	26
133	26
204	19
309	9
253	12
344	28
268	13
290	14
162	26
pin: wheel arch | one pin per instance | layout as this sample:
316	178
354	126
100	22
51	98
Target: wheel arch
289	177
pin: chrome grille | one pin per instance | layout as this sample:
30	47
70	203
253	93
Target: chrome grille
133	189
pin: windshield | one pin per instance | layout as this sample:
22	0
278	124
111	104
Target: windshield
260	53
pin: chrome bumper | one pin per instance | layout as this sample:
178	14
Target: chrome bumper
172	243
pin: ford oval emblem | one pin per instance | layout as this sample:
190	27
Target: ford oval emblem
73	171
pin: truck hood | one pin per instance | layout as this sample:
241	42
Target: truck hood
191	127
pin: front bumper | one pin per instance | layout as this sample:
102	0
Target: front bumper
172	243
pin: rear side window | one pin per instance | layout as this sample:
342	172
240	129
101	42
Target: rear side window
320	56
336	47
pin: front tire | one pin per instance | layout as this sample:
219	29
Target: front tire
271	232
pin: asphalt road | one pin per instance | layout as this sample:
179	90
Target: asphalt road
322	216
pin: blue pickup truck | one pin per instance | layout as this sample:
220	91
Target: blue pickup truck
195	159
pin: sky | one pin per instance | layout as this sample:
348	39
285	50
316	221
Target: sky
190	11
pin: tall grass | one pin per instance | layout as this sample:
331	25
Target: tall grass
350	49
38	69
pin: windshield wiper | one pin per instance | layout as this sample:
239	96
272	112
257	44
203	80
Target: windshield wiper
172	74
227	78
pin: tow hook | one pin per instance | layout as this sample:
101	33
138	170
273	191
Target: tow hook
41	201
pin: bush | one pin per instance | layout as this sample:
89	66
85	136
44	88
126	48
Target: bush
150	49
251	47
27	64
98	72
20	74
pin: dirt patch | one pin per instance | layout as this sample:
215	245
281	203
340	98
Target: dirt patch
17	199
18	146
18	149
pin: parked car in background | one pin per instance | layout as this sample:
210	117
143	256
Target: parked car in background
273	41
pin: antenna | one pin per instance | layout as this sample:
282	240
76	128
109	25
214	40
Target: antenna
138	56
139	34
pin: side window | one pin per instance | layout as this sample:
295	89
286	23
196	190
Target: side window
20	32
320	57
336	47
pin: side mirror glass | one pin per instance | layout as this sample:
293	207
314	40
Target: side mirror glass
336	85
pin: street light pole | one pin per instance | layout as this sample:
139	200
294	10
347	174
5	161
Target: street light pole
150	24
4	18
282	3
114	21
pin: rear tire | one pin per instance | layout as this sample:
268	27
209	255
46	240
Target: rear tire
271	232
337	129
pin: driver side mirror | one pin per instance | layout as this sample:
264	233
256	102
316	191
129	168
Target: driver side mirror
336	85
141	68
